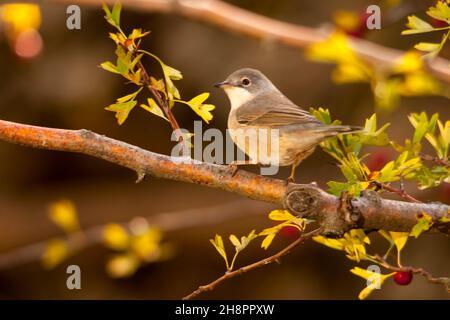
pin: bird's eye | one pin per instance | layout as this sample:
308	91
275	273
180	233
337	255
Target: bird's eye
245	82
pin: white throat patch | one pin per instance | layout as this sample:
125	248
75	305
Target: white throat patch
238	96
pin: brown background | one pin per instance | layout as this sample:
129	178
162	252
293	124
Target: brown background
64	88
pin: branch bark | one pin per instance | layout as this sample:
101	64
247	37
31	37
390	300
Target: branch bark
245	22
335	215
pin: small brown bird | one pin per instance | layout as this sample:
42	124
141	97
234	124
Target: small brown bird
257	104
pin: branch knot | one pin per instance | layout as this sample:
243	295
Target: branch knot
302	200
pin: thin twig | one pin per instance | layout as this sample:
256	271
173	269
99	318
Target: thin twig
401	192
233	18
439	161
160	100
274	258
430	278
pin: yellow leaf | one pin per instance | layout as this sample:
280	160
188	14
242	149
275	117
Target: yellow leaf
409	62
217	242
203	110
355	71
122	110
417	25
198	100
137	33
118	38
372	277
332	243
423	224
346	20
20	17
268	240
387	236
157	84
122	265
399	239
115	236
64	214
445	219
427	46
243	243
420	83
440	12
235	241
336	48
55	252
146	246
172	73
153	107
280	215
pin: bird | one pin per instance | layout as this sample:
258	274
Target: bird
256	103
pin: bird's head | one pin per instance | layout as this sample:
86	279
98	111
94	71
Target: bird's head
245	84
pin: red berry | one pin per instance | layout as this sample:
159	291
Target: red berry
403	278
289	231
378	159
438	23
128	43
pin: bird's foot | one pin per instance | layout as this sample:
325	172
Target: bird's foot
290	180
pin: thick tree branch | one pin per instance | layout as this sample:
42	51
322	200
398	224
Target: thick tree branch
335	215
245	22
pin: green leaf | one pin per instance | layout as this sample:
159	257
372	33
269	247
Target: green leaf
153	107
115	15
123	60
109	66
113	18
417	25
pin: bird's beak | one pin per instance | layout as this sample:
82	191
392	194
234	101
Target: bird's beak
222	84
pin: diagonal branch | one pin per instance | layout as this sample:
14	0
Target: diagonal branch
245	22
274	258
335	215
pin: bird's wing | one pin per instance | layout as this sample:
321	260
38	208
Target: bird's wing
273	110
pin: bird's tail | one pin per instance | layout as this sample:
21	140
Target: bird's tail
334	130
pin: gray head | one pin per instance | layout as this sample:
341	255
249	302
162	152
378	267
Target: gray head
244	84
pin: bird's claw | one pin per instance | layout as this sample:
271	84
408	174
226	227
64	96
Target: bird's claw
233	168
290	180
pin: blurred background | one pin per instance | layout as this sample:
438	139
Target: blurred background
54	80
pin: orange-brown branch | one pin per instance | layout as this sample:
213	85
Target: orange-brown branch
335	215
245	22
